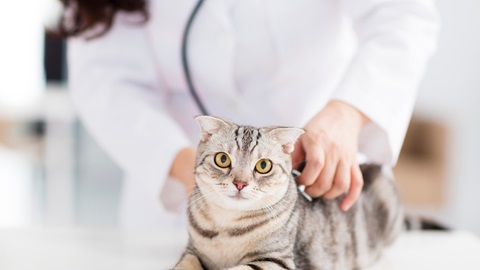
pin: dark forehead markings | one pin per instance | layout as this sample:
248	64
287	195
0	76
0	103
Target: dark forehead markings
247	138
236	137
259	135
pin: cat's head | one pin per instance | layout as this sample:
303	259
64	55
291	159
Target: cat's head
242	167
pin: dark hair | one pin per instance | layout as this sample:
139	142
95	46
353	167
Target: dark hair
83	15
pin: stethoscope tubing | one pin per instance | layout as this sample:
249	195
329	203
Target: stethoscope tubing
186	68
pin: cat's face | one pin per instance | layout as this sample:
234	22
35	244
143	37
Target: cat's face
241	167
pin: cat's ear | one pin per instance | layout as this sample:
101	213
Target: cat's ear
287	137
210	125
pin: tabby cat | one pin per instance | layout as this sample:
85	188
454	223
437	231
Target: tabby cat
247	213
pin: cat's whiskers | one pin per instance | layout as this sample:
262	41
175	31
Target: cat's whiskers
197	203
201	195
263	191
197	197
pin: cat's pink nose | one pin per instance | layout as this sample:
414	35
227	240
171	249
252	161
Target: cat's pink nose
240	184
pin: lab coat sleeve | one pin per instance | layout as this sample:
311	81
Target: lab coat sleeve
395	41
115	88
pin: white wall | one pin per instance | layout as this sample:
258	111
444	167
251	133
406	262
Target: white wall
451	93
21	54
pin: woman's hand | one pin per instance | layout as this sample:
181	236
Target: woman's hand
183	167
329	147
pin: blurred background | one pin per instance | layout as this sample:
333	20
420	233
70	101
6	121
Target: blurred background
53	173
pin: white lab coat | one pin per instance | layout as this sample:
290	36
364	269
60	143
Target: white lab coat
130	90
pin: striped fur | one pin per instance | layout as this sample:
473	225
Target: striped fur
267	224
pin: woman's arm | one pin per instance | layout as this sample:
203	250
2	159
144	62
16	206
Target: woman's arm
372	106
396	38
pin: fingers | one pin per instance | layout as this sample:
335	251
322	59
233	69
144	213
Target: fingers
341	183
323	183
330	170
314	166
355	188
334	180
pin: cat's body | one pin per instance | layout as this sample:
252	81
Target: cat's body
242	216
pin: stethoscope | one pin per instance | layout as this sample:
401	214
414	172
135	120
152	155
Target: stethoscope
186	68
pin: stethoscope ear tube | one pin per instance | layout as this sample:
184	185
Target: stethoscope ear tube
186	68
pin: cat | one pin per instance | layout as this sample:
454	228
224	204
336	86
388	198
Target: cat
246	212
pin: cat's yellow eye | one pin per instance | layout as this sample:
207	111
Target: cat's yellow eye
222	160
263	166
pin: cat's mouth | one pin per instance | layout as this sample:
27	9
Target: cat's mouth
238	196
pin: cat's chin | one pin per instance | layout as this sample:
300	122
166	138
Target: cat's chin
238	202
238	198
234	194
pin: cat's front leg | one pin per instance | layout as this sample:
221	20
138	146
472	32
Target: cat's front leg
188	262
266	264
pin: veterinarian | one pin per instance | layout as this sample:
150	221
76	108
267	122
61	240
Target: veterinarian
345	70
